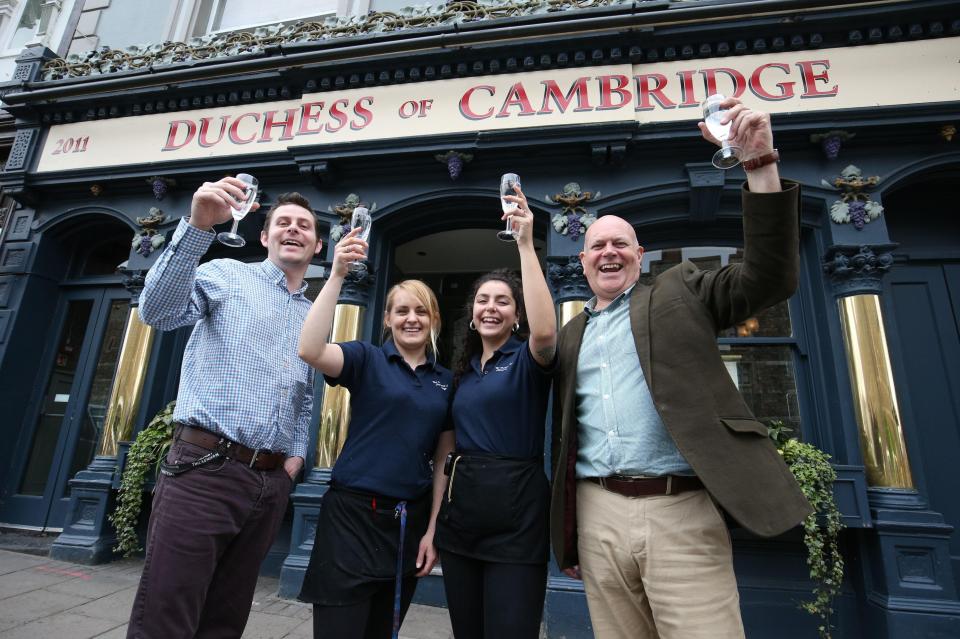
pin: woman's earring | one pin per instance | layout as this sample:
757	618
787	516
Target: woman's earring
516	326
472	326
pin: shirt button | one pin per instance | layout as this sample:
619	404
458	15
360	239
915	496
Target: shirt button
611	433
605	396
603	365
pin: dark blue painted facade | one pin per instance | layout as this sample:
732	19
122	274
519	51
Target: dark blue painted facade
901	550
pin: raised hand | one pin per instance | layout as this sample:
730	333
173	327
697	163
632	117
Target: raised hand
349	249
521	217
750	130
214	202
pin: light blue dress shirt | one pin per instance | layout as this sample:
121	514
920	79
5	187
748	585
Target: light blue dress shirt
620	431
241	376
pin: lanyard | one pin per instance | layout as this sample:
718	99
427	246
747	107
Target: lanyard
401	512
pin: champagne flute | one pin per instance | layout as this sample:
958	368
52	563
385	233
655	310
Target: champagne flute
727	156
361	219
507	182
250	195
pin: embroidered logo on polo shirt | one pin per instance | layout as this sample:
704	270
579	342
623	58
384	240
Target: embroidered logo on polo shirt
501	369
441	386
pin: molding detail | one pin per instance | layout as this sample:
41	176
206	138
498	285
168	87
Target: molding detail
565	274
856	270
23	144
105	60
574	220
356	287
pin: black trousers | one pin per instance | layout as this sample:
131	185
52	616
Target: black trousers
368	619
490	600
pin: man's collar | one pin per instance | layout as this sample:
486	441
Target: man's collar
276	275
617	301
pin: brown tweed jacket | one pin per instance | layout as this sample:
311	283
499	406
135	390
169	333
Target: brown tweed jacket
675	322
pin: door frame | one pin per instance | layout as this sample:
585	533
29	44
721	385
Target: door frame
46	512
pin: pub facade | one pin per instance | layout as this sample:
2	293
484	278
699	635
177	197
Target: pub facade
594	103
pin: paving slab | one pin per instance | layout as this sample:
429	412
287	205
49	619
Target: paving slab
41	598
264	626
96	585
14	562
64	624
35	605
33	578
115	607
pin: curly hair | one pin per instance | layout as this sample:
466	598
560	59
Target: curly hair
472	344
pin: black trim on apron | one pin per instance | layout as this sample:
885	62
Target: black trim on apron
496	509
357	543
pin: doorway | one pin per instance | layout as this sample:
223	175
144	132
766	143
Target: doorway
921	305
68	382
449	262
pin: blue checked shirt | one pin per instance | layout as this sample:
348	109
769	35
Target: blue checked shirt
621	432
241	376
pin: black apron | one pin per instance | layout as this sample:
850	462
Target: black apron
356	545
496	509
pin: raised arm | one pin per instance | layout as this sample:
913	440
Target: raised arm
174	293
314	349
541	315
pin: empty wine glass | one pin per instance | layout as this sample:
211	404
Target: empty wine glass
231	238
507	182
361	219
727	156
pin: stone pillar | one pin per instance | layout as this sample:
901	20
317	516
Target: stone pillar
856	273
334	418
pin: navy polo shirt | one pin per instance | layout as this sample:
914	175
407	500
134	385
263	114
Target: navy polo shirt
397	414
502	408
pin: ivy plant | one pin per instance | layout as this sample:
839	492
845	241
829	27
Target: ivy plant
146	452
821	529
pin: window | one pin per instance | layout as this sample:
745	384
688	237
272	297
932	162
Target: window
231	15
27	24
759	353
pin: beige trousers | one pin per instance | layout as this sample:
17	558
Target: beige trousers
656	567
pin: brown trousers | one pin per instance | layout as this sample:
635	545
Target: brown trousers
209	531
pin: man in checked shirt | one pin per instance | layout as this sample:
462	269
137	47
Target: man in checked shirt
243	411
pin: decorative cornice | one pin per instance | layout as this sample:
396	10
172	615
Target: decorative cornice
266	49
566	278
857	270
223	45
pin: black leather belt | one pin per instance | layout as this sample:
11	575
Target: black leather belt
648	486
259	459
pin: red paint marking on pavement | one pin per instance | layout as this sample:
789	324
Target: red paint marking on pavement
61	571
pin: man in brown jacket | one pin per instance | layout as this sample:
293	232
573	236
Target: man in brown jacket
650	431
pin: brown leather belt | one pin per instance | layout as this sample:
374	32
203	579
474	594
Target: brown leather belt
648	486
259	459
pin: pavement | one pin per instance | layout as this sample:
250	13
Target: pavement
41	598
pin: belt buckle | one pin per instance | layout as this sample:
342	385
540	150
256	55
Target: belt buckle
669	485
603	482
256	454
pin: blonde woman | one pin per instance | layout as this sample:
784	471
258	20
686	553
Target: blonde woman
376	526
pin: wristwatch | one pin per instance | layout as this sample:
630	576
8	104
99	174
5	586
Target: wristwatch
761	160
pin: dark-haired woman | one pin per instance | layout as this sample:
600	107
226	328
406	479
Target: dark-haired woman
376	527
493	526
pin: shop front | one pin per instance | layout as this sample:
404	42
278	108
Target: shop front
596	109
